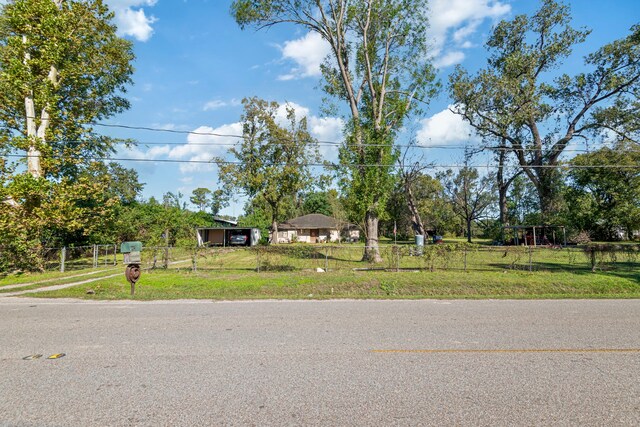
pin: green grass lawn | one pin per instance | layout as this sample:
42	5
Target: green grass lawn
185	284
441	271
52	277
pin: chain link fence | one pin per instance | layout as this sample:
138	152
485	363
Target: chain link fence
80	257
301	257
439	257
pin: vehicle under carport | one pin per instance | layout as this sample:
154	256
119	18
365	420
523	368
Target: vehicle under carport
221	236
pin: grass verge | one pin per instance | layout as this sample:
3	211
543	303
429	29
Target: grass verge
235	285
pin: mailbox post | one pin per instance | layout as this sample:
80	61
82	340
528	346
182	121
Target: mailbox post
132	258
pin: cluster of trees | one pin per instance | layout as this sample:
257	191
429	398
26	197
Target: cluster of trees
62	68
379	70
599	197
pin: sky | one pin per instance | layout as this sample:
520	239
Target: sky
194	65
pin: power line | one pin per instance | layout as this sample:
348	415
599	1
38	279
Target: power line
320	142
331	166
334	144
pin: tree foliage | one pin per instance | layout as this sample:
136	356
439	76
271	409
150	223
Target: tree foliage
378	67
62	68
515	98
272	160
605	201
470	195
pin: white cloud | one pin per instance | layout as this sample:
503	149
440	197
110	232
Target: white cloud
324	129
207	142
281	113
449	59
202	147
453	22
132	19
214	105
165	126
142	152
327	130
444	128
218	103
308	53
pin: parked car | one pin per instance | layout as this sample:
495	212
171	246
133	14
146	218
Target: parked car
239	240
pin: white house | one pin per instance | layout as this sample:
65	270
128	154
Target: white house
315	228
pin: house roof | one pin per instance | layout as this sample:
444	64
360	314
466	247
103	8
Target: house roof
309	221
224	221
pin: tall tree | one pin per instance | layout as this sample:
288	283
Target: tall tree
378	66
218	201
200	197
504	178
470	195
410	173
514	98
63	67
271	161
317	202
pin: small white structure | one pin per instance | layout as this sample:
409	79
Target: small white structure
315	228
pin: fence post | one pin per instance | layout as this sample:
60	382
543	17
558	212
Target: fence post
63	256
115	252
194	260
166	257
530	259
95	256
465	258
258	259
326	258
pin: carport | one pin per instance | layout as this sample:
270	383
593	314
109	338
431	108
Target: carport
220	236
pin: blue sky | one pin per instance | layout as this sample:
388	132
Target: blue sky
194	65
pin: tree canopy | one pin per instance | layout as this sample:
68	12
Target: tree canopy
272	160
379	68
62	68
516	99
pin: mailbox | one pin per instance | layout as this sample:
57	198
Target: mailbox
131	252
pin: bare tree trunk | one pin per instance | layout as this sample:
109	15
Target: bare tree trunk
416	220
37	134
274	231
33	154
548	194
371	250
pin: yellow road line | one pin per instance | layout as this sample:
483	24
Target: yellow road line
515	350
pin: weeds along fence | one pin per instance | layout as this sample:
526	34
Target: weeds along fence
327	257
445	257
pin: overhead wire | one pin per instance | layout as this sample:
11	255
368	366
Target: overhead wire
322	143
333	166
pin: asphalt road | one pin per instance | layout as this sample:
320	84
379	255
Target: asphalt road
334	363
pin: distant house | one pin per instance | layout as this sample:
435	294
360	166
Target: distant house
315	228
